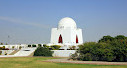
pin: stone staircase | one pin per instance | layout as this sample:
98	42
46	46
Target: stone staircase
25	51
14	52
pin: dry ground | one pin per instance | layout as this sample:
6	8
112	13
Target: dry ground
65	60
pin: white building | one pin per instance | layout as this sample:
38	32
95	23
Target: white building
66	33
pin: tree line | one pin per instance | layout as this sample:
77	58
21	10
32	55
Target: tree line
106	49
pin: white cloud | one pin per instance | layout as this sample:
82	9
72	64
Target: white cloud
19	21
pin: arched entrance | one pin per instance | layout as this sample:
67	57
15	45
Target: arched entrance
76	39
60	39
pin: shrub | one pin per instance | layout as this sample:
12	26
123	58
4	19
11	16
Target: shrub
61	49
72	48
5	53
39	45
42	51
1	43
13	47
0	52
20	47
33	45
55	47
6	48
3	47
74	56
87	56
29	45
44	45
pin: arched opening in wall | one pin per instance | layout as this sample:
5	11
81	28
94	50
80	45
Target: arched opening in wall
76	39
60	39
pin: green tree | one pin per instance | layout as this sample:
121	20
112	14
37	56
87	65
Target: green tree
107	49
120	37
120	50
106	39
95	51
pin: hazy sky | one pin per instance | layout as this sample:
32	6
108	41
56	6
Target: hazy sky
30	21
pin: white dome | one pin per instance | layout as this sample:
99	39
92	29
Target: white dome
67	22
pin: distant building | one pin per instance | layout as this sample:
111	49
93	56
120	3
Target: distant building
66	33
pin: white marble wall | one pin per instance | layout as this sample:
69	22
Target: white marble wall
6	51
63	53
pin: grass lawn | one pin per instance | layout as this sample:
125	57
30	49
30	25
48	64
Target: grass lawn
35	62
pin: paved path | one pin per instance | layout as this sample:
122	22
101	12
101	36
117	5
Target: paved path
85	62
11	56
